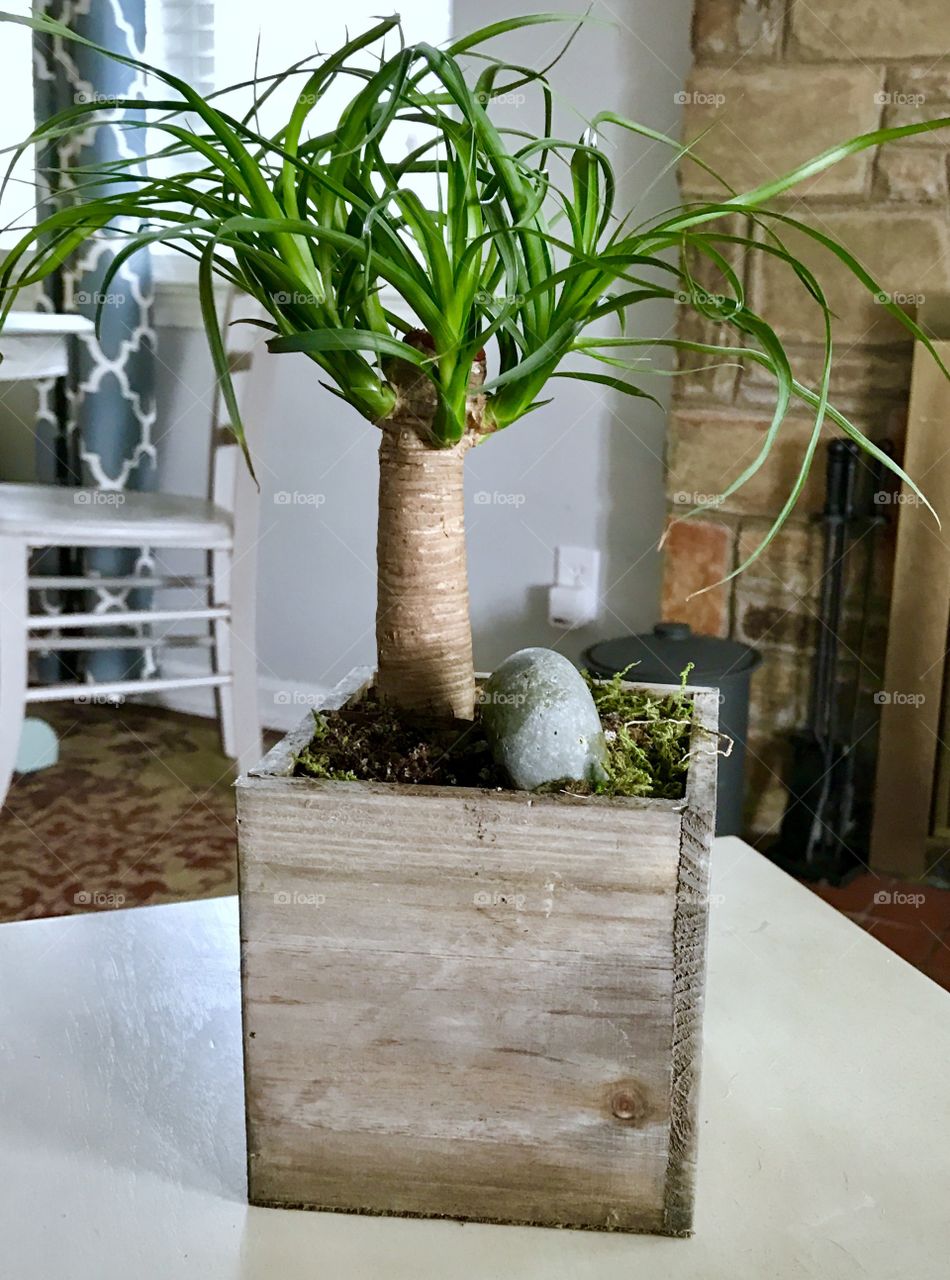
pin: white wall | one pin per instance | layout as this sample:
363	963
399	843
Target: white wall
589	466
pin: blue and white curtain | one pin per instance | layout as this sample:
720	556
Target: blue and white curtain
96	429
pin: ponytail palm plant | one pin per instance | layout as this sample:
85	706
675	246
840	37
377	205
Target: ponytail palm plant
440	292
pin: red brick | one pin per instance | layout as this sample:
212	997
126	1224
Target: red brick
697	553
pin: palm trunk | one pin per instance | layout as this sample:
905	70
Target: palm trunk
423	630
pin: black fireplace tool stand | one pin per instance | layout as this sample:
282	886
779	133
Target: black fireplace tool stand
825	830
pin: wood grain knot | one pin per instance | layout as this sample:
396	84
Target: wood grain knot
628	1102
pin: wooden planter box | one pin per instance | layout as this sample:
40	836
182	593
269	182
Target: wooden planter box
474	1004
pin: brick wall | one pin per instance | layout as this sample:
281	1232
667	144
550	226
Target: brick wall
778	81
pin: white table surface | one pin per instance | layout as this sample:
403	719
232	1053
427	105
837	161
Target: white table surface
823	1152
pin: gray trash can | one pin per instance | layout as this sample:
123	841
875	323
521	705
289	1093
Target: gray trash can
726	665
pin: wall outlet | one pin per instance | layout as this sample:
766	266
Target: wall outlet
573	599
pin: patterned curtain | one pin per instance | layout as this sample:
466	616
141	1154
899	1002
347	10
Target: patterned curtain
97	425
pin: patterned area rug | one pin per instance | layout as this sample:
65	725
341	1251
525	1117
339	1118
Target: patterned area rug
139	810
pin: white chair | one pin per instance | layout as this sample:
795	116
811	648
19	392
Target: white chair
224	525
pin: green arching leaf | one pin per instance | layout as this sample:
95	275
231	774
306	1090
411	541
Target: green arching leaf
135	245
617	384
465	44
787	508
802	477
519	246
310	95
679	148
834	155
849	429
351	340
219	356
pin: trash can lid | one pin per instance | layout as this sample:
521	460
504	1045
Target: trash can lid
662	655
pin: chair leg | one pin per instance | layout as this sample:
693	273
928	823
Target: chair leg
236	651
13	655
220	567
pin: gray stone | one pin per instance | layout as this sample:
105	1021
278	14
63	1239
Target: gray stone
541	721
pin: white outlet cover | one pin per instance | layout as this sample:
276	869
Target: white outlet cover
577	567
572	600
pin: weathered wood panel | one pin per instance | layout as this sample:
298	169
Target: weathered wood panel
472	1004
690	929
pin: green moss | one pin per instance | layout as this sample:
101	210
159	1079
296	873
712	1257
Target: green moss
317	758
647	738
647	746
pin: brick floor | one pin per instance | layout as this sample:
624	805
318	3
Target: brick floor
911	919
